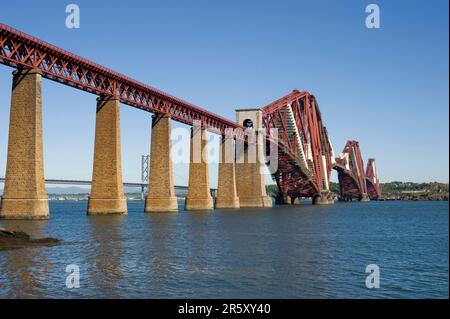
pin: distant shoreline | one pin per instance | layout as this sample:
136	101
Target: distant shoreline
136	197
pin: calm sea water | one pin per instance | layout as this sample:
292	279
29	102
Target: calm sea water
300	251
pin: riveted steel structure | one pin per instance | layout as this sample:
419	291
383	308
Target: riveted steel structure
20	50
351	174
373	183
305	153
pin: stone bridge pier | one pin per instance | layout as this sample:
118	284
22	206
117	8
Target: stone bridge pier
161	191
24	195
251	186
241	168
107	196
199	195
226	187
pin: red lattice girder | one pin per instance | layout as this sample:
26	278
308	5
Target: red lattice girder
292	179
20	50
351	173
373	183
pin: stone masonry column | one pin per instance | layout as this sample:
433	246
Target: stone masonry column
251	187
199	196
161	191
24	196
320	200
226	189
364	198
107	195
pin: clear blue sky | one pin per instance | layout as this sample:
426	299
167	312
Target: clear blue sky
387	88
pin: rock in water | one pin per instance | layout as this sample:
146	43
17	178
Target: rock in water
19	239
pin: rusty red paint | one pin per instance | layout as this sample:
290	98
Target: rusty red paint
20	50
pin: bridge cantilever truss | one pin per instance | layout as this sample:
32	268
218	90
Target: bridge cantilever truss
351	174
373	183
305	153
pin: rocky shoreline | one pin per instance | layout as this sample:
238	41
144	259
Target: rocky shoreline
18	239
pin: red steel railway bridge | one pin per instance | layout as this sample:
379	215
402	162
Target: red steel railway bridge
354	181
303	151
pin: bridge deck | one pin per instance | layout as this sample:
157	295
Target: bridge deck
20	50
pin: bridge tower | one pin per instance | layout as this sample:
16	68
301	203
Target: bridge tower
145	164
250	183
305	154
351	174
373	183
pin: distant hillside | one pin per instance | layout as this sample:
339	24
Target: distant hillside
397	190
409	190
398	187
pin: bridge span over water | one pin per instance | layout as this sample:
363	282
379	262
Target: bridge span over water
288	135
